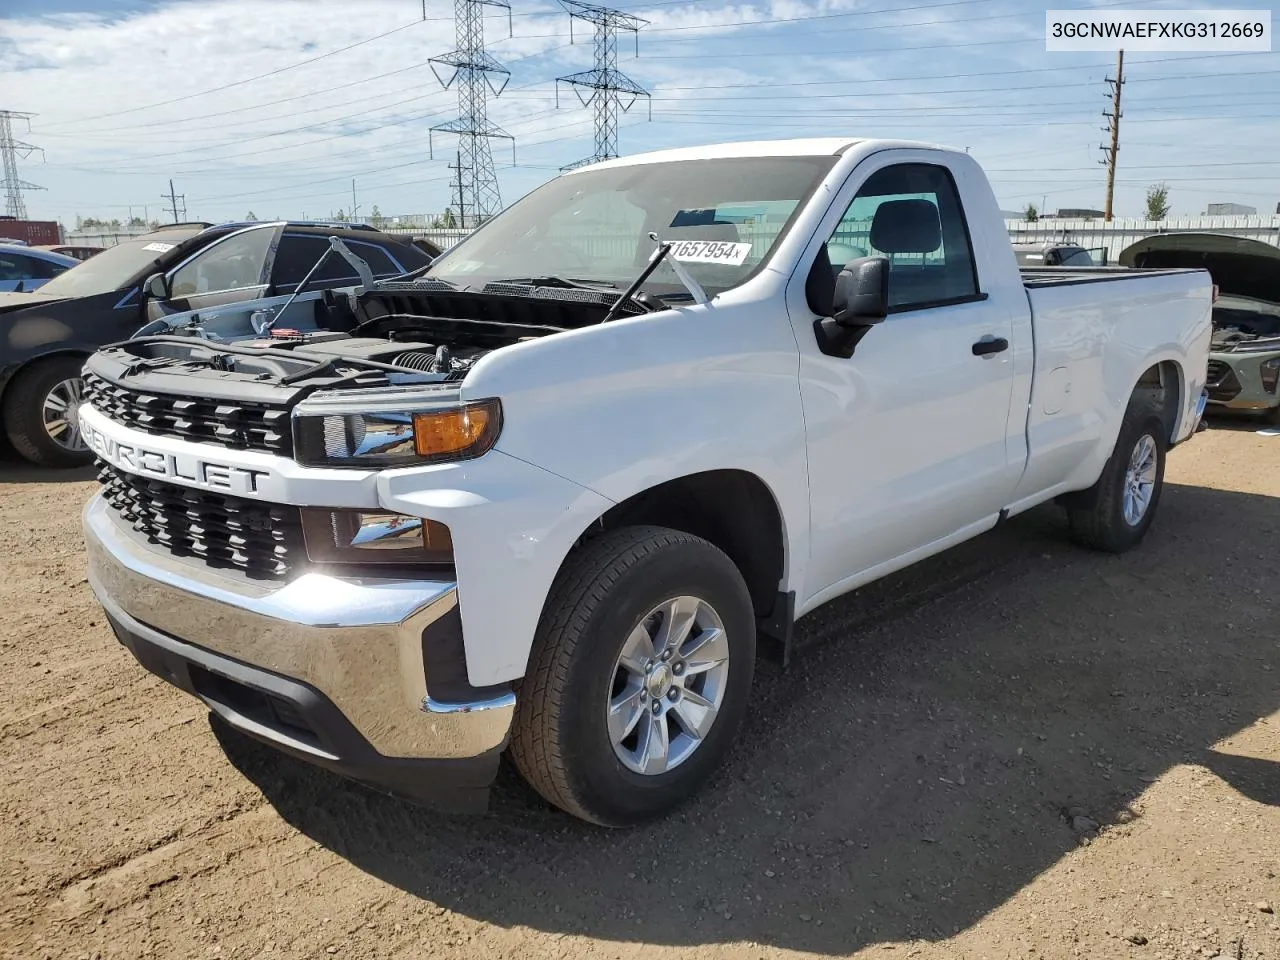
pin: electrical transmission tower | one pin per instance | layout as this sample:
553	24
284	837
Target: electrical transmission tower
11	151
173	199
1113	127
610	89
476	74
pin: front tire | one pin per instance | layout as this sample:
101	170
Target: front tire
40	413
638	678
1116	512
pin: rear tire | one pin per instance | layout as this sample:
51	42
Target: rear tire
1116	512
602	664
47	387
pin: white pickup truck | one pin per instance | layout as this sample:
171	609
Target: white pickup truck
544	497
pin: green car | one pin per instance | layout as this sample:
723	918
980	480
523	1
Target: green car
1244	362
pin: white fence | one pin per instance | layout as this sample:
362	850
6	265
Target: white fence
1118	234
444	239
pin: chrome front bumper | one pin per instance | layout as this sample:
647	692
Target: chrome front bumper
358	642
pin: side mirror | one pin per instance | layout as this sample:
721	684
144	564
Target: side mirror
156	287
861	301
862	292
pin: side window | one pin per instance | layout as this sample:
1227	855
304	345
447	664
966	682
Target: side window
911	214
1077	258
237	262
16	267
298	253
377	259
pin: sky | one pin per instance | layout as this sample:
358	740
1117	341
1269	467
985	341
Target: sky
273	107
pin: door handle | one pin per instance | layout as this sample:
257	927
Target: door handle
989	345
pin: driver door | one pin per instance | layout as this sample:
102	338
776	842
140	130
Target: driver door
232	270
907	438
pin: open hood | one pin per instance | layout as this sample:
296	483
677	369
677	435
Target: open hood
1242	268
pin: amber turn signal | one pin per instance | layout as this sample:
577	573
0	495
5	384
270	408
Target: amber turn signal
457	433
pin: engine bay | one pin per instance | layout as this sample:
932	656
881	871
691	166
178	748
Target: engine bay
393	333
1245	327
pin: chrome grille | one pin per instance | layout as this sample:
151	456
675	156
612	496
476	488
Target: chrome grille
241	426
262	539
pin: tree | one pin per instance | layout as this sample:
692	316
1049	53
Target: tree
137	222
1157	201
79	222
447	222
1031	214
375	217
340	217
251	216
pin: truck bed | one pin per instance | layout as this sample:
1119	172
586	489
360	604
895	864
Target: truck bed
1081	328
1065	276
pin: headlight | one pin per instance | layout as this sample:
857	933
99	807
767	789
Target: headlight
1269	370
374	439
374	536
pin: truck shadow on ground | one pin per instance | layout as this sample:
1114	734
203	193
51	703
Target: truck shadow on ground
899	784
13	469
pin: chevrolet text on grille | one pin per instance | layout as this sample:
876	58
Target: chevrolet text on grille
204	473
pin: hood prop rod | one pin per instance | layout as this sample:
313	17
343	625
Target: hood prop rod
262	325
655	259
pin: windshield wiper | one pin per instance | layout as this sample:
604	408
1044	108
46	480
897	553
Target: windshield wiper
550	281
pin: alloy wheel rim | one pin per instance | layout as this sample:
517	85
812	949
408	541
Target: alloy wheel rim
61	414
668	685
1139	480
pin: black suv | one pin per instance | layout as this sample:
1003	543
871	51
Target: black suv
46	335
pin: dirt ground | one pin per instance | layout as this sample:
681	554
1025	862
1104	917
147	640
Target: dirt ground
925	779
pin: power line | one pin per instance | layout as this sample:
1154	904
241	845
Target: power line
474	70
238	83
608	84
747	97
11	151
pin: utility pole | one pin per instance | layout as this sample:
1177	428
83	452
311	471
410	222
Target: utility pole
456	166
610	89
354	206
1113	116
173	199
11	151
477	74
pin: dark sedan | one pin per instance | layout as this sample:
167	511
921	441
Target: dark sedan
45	336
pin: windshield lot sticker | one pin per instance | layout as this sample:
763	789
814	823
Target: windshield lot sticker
159	247
710	251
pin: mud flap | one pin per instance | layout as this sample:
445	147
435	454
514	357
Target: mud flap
775	631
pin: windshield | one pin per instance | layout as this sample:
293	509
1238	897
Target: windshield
111	269
593	226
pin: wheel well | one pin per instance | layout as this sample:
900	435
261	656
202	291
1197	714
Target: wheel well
1162	385
32	364
732	509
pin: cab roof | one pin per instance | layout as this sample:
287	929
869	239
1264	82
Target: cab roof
797	147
